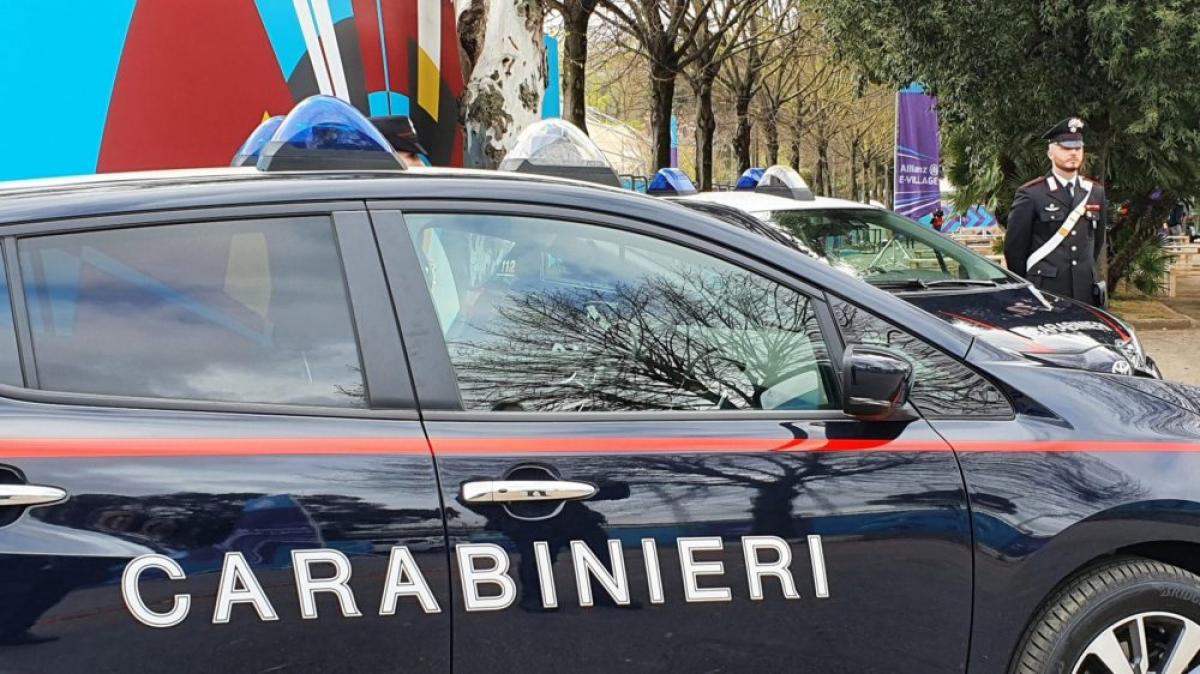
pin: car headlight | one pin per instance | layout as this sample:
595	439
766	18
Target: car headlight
1133	348
1096	359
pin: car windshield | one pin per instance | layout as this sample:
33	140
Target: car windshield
885	249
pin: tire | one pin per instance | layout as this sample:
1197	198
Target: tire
1121	598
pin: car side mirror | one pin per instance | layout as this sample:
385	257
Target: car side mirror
875	384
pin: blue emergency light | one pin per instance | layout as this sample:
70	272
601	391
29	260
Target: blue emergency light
671	182
749	180
327	133
247	154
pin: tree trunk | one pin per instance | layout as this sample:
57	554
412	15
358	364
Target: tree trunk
741	138
576	14
821	175
706	128
794	146
504	92
771	124
854	148
889	176
868	185
663	72
831	184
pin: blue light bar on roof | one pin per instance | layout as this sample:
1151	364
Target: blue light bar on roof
749	180
247	154
327	133
671	181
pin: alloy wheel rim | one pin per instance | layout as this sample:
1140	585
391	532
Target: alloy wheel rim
1156	642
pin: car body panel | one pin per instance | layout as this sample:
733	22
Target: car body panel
941	537
197	486
1101	466
1040	322
666	477
892	524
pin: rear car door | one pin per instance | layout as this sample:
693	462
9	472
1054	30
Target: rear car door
645	466
210	457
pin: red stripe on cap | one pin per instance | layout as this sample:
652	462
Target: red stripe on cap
84	448
753	445
1109	322
60	448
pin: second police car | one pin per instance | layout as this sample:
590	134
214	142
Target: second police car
357	419
933	272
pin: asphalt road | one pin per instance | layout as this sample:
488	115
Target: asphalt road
1177	353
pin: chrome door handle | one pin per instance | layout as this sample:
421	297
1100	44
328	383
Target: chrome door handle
24	495
512	491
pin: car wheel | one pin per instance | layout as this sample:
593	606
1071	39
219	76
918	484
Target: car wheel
1128	616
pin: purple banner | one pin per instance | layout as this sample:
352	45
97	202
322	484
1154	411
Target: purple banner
918	164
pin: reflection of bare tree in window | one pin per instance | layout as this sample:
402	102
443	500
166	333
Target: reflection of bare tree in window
686	340
942	387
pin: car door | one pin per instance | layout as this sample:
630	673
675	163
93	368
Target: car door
639	442
210	456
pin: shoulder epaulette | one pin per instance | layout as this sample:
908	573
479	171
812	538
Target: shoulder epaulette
1094	181
1035	181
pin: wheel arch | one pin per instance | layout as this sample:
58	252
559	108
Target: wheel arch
1176	543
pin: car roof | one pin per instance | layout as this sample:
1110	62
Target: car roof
131	192
755	202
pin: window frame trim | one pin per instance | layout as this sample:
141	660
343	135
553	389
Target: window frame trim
434	374
20	314
358	304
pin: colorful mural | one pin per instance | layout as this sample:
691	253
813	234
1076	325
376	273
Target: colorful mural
977	220
127	85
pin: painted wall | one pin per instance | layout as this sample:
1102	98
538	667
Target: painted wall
119	85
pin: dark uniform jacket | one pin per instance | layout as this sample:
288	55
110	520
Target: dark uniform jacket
1039	210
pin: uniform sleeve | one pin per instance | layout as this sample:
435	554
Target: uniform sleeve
1102	226
1019	232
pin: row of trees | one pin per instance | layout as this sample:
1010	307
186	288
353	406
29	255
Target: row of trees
811	82
761	69
1005	70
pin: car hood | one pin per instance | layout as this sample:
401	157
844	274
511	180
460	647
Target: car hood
1182	396
1042	326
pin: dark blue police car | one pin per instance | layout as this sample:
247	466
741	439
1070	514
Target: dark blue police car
368	420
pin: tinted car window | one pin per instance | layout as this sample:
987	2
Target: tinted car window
884	248
10	362
544	315
942	386
250	311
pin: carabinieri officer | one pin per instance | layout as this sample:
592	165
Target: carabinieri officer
1057	223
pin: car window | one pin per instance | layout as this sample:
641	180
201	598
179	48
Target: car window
884	248
545	315
10	361
942	386
248	311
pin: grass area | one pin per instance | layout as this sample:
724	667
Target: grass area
1134	308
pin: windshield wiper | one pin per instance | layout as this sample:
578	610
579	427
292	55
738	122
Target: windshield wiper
960	282
898	283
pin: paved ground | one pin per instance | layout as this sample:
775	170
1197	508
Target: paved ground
1177	352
